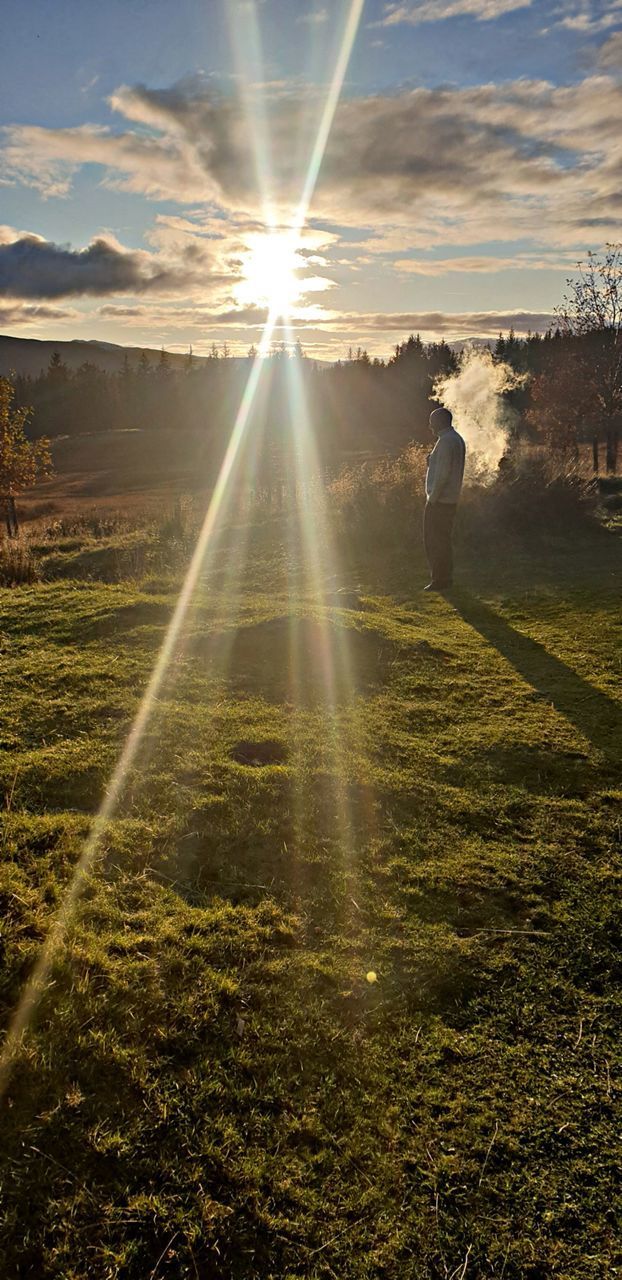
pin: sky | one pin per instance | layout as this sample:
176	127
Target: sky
153	159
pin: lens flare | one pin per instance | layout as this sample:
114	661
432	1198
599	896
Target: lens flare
279	297
204	552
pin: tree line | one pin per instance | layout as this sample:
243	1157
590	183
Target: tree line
572	391
357	403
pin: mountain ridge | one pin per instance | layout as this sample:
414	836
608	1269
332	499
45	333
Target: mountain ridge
32	355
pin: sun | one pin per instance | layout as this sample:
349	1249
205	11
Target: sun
271	269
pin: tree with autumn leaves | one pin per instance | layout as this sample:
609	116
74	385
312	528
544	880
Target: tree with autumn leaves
580	389
22	461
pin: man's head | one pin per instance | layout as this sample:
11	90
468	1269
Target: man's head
440	420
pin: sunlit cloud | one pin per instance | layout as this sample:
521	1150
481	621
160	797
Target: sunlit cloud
434	324
174	316
610	53
530	158
484	264
441	10
591	16
16	313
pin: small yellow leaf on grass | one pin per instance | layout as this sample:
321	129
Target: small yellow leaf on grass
371	976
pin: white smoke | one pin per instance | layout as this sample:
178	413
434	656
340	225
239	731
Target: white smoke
475	396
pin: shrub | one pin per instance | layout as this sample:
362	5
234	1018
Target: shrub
381	501
376	500
92	524
610	490
17	563
175	535
112	547
532	495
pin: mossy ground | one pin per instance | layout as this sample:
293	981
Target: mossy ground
212	1087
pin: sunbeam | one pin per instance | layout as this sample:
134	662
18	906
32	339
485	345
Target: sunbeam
274	258
328	114
245	40
322	566
207	541
204	552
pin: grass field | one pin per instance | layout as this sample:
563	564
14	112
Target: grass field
422	789
135	472
131	471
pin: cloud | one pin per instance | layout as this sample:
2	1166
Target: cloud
328	330
592	16
484	265
47	160
453	325
403	174
151	316
435	165
115	312
315	17
31	267
17	313
89	84
610	53
339	324
440	10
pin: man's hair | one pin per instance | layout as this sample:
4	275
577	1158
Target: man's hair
440	419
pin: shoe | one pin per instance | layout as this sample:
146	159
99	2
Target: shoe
438	586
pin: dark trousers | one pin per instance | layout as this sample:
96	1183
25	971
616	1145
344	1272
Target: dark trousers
438	523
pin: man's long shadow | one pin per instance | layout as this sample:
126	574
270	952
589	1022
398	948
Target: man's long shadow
596	715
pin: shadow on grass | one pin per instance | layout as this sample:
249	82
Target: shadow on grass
592	712
538	769
299	660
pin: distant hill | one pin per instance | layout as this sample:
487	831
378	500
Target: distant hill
31	356
478	343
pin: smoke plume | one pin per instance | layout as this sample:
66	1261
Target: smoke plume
475	395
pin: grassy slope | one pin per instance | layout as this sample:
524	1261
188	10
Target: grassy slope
213	1088
115	471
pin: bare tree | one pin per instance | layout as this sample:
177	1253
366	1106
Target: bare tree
591	312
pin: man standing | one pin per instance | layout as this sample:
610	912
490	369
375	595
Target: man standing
443	483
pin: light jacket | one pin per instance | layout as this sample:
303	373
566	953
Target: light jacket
443	480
